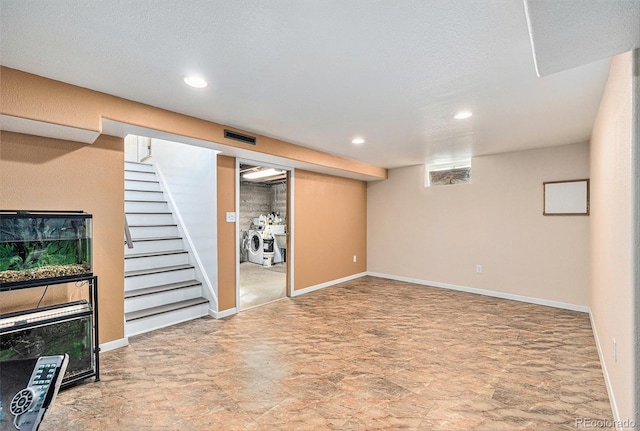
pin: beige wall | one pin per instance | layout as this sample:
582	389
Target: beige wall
330	227
85	174
40	173
24	95
614	254
226	234
440	234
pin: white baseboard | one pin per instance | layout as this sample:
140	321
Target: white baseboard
327	284
607	380
538	301
224	313
115	344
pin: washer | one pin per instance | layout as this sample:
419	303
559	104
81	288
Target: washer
256	247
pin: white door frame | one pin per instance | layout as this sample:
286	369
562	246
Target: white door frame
290	222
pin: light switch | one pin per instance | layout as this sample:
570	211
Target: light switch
231	217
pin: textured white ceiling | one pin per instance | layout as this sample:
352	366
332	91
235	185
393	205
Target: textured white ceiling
318	73
591	30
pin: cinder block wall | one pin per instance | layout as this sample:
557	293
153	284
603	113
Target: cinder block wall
279	199
255	199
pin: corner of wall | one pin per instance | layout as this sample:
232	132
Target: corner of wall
635	163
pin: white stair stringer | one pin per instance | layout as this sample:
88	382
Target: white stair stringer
160	285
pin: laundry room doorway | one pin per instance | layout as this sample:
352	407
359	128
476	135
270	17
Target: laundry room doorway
263	232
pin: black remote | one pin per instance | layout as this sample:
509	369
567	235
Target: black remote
31	403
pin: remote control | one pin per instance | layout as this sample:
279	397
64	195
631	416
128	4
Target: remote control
31	403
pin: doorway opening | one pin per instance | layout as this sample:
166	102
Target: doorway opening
170	258
263	228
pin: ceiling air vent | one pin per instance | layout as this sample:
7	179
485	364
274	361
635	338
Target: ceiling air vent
245	139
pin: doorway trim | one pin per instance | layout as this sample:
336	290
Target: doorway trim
289	226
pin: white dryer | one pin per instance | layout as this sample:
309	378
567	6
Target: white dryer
256	247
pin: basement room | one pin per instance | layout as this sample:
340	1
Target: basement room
327	215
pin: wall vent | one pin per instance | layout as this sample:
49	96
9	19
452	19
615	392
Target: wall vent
245	139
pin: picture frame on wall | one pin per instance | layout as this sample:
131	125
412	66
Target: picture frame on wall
566	198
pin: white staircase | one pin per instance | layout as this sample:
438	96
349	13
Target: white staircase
160	286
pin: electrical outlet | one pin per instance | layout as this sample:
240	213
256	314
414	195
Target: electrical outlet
231	217
355	258
478	269
615	351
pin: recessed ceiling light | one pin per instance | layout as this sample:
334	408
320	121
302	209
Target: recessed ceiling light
357	141
195	81
462	115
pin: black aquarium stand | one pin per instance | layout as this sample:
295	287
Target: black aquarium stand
29	319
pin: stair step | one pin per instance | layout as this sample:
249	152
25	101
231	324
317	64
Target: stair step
154	259
155	253
139	175
137	206
143	181
163	238
157	321
143	184
150	218
149	277
156	296
153	245
140	199
161	288
147	186
147	167
154	231
131	189
140	272
144	196
134	169
143	213
140	314
154	225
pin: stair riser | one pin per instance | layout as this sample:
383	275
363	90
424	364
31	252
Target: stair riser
145	176
150	323
142	185
149	280
153	246
152	231
142	219
143	196
145	207
151	262
138	167
156	299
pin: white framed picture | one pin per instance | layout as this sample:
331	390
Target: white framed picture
569	197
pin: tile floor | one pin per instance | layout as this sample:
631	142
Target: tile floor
261	284
362	355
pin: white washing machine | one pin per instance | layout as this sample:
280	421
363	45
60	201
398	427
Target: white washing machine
256	247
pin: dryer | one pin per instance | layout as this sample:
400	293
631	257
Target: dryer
256	247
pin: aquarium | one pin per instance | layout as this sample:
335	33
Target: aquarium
38	247
53	330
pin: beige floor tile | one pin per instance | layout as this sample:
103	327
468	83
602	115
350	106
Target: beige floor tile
366	354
